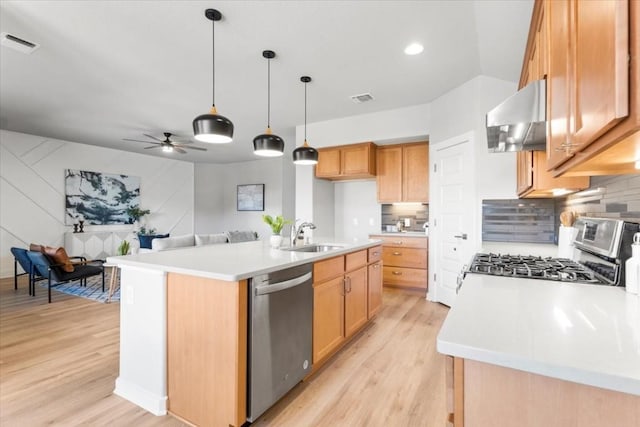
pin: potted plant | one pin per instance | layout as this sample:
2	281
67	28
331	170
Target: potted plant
135	213
124	247
276	225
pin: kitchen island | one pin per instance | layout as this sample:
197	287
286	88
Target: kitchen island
193	301
532	352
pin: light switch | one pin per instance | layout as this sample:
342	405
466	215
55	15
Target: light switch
372	222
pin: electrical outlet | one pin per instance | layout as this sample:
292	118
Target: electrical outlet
372	222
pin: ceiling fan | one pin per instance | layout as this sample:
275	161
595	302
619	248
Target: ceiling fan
167	145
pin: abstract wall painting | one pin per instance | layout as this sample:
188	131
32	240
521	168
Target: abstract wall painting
251	197
99	198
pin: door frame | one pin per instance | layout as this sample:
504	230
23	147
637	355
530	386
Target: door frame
468	138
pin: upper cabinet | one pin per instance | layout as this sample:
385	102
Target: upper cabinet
403	173
592	86
355	161
533	179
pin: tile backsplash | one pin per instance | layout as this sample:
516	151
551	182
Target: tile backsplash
418	214
608	197
519	220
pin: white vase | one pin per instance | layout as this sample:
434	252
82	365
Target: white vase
275	240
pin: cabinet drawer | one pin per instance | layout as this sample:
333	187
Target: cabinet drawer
404	257
356	260
405	242
407	277
328	269
375	254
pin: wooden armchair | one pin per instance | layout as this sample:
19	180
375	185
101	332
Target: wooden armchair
58	273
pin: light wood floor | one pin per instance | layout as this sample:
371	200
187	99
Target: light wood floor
59	362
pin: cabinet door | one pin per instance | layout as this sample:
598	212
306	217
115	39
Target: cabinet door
389	177
355	160
374	278
415	173
328	163
601	83
328	317
558	82
355	310
524	171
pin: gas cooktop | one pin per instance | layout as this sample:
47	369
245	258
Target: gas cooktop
533	267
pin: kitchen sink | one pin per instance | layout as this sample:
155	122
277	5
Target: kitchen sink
313	248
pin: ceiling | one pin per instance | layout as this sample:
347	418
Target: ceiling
108	70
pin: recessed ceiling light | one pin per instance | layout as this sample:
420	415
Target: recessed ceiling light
413	49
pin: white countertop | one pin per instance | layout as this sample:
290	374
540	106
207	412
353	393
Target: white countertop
401	233
231	261
586	334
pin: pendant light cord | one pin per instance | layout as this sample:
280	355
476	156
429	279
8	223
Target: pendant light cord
268	92
213	63
305	111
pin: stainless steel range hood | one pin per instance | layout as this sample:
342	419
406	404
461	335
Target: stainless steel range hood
519	123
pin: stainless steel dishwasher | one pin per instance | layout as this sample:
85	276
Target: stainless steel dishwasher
280	327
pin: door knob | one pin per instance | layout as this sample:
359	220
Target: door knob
462	236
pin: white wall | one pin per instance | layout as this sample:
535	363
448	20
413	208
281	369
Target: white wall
357	212
216	188
32	204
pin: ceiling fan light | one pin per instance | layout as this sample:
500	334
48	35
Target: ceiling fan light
167	149
213	128
268	145
305	155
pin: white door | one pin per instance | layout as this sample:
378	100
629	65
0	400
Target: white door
452	216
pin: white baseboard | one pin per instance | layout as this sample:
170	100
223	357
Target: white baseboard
151	402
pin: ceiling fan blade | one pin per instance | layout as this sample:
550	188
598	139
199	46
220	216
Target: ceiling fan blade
189	148
153	146
137	140
179	150
152	137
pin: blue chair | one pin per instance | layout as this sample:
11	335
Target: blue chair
20	257
46	267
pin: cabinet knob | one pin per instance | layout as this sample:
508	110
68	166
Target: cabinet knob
397	273
397	253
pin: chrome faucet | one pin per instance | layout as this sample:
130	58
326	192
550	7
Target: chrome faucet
295	232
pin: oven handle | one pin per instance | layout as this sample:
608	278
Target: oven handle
281	286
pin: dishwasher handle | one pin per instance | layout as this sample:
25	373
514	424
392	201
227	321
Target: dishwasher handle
281	286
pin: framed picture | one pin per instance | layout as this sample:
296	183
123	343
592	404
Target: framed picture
251	197
99	198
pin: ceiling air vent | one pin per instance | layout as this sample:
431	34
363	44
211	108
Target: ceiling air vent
363	97
18	43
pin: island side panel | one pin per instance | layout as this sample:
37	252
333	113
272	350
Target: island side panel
143	339
207	350
498	396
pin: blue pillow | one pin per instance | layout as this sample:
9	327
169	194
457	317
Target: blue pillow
145	239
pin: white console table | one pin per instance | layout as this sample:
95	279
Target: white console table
94	244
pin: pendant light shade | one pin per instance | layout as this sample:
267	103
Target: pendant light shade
212	127
268	144
305	155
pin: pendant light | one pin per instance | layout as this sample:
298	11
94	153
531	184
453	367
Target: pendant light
305	155
212	127
268	144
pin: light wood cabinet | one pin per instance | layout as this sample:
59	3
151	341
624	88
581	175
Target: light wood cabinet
482	394
374	303
405	261
345	298
403	173
355	301
355	161
593	84
328	317
533	178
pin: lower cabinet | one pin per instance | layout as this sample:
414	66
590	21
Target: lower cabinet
405	261
375	288
347	293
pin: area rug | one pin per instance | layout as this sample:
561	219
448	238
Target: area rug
92	291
